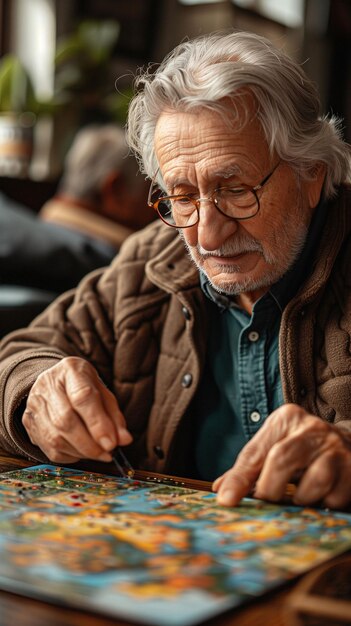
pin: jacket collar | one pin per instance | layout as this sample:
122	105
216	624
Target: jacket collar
172	269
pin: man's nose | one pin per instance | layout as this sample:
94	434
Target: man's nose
206	208
213	227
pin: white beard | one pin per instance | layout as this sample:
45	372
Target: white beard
278	261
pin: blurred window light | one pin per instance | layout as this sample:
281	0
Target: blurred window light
33	39
287	12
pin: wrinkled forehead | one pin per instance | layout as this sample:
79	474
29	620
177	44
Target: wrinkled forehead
204	136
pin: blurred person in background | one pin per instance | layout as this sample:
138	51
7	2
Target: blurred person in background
99	202
101	192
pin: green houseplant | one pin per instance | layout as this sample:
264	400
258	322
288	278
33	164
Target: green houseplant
85	82
19	109
84	77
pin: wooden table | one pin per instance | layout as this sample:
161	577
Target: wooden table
17	610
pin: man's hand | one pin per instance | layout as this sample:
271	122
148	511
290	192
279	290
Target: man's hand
70	414
292	444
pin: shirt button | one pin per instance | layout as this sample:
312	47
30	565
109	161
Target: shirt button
187	380
186	312
255	417
253	335
159	452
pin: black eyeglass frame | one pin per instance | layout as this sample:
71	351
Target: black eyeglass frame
196	202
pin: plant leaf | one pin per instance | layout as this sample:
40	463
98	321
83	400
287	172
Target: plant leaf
16	88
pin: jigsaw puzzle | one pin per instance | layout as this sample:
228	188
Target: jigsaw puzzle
151	553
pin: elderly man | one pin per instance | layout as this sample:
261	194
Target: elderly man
217	344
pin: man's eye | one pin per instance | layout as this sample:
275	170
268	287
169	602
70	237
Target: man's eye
231	191
182	200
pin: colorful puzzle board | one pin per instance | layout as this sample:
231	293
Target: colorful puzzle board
151	553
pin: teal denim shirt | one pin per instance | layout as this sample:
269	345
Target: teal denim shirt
241	382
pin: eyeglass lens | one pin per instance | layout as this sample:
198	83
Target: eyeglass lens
182	211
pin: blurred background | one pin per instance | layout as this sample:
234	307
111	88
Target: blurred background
78	59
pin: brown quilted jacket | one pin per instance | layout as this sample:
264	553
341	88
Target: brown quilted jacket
142	323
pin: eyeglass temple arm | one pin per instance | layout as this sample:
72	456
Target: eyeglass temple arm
266	179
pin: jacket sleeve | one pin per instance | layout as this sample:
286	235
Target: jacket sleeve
78	323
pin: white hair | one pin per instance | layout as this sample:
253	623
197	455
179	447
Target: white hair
208	70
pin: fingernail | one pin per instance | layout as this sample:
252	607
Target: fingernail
225	498
106	443
105	457
125	435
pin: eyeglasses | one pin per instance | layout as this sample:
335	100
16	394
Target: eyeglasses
182	211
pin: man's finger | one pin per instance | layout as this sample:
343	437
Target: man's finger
67	433
112	409
285	460
340	496
317	481
240	479
85	397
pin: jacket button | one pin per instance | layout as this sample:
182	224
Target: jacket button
186	312
187	380
159	452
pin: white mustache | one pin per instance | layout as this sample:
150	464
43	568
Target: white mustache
232	248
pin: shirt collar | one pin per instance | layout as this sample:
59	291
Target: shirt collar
288	285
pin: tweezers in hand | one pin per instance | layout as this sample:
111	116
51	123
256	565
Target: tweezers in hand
122	464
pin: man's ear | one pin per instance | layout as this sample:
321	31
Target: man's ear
314	184
111	182
114	198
